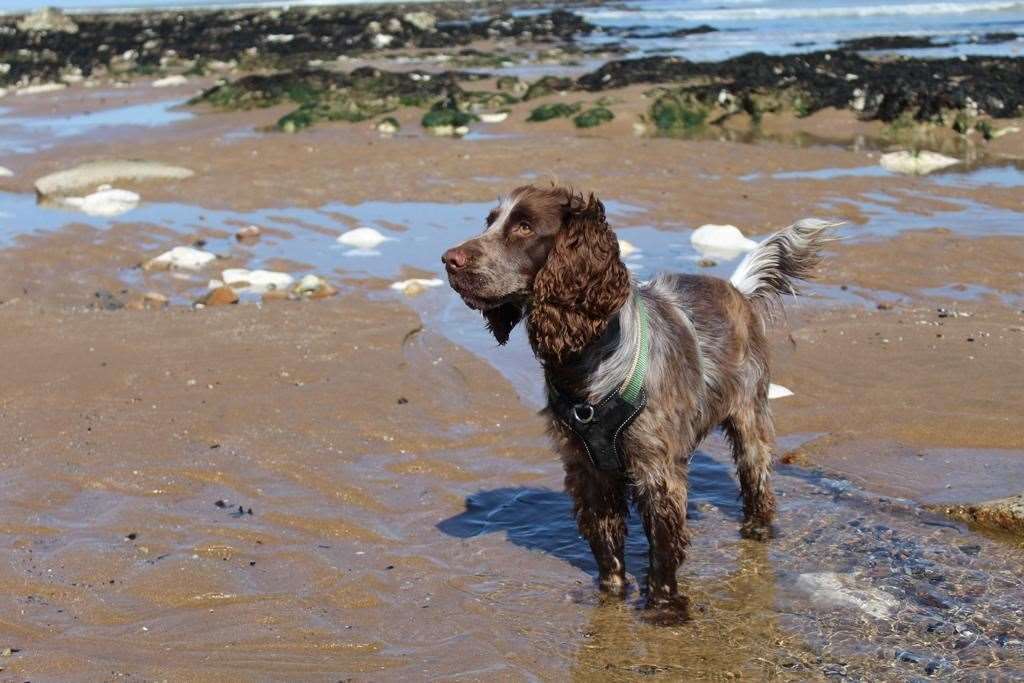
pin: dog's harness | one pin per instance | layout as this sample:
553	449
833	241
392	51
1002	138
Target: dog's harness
599	426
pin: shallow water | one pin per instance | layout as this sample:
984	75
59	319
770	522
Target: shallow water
27	134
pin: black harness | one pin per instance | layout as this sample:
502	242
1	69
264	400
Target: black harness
600	426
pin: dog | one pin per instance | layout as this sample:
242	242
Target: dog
637	374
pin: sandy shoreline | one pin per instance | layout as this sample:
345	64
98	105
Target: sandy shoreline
407	514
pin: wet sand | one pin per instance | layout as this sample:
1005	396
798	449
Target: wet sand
407	515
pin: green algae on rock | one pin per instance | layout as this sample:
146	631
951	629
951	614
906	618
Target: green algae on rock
593	117
558	110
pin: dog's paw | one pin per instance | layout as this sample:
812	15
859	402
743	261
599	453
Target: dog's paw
673	610
613	587
755	530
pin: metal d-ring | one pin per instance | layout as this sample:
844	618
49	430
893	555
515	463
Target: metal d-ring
588	413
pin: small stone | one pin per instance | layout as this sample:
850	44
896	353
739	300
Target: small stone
707	263
170	82
180	258
363	239
416	286
388	126
884	306
154	300
221	296
250	233
107	301
314	287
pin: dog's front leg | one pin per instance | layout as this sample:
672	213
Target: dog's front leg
601	509
661	500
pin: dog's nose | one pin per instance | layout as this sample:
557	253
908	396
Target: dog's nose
455	259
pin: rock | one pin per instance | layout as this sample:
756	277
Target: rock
919	163
494	117
388	126
446	119
707	263
314	287
415	286
5	172
593	117
720	241
221	296
258	281
423	21
181	258
363	239
154	300
382	40
104	202
107	301
170	82
829	589
627	249
778	391
1005	514
41	88
249	233
101	172
546	112
47	19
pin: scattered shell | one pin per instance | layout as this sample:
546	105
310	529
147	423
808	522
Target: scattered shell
99	172
181	258
778	391
416	285
170	82
248	233
221	296
106	201
920	163
720	241
258	281
627	249
363	239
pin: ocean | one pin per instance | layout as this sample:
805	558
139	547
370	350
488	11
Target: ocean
773	26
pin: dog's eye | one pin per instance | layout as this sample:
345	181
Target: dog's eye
524	229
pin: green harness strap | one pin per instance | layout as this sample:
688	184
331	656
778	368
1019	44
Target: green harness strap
630	391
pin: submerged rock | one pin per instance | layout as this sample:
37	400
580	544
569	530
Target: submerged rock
829	589
181	258
916	163
721	241
103	172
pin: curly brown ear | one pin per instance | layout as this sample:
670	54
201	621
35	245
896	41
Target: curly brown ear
502	319
582	284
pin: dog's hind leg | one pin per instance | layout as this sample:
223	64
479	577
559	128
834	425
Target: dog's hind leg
751	432
601	509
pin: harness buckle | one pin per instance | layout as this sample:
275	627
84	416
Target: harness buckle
588	415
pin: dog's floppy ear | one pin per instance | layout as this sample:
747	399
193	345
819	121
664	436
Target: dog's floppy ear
501	321
582	284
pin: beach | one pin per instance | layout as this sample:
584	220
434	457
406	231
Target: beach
350	480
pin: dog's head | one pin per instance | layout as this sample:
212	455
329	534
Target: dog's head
547	252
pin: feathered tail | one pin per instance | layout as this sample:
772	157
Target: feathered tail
776	266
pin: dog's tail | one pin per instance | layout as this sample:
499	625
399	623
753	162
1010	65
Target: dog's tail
777	265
